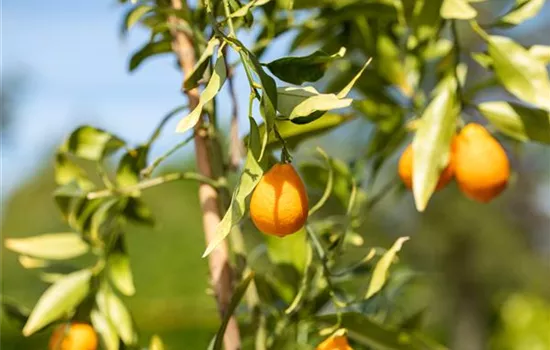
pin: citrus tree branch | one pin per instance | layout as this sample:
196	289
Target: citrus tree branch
218	260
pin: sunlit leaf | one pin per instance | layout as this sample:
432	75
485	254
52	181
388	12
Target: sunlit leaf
329	184
106	330
111	306
243	11
130	166
541	53
118	265
250	177
517	121
67	171
431	144
370	333
210	91
325	102
347	89
380	273
193	77
105	219
61	298
49	246
217	342
297	70
148	50
288	97
91	143
520	73
522	11
134	16
156	343
457	9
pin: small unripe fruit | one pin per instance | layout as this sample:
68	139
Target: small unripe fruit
482	168
76	336
279	204
405	169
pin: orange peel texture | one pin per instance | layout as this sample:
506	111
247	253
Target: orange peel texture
482	168
279	203
76	336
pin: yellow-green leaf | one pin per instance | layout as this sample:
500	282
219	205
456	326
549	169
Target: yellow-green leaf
457	9
519	72
106	330
210	91
517	121
156	343
49	246
111	306
432	142
61	298
522	11
380	272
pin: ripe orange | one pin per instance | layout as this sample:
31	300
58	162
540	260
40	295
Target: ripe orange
482	168
338	342
76	336
406	163
279	204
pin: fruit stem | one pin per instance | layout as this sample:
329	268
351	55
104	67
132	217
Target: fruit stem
286	157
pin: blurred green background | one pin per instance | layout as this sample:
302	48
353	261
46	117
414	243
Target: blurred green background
485	269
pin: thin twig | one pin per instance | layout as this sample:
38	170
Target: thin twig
152	183
235	145
149	170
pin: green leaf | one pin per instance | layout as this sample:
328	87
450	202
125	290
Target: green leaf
541	53
329	184
106	330
519	72
370	333
137	211
134	15
105	220
148	50
483	59
156	343
297	70
217	342
318	177
49	246
66	196
130	166
426	19
288	97
293	134
210	91
243	11
347	89
251	175
431	144
305	111
118	265
91	143
517	121
268	100
112	307
380	272
290	250
457	9
522	11
66	171
193	78
61	298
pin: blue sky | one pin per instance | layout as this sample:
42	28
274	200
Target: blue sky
74	67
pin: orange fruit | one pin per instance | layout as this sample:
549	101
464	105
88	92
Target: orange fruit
76	336
338	342
482	168
279	204
406	163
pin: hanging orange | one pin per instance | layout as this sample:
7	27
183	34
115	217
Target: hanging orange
406	173
482	168
338	342
76	336
279	204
